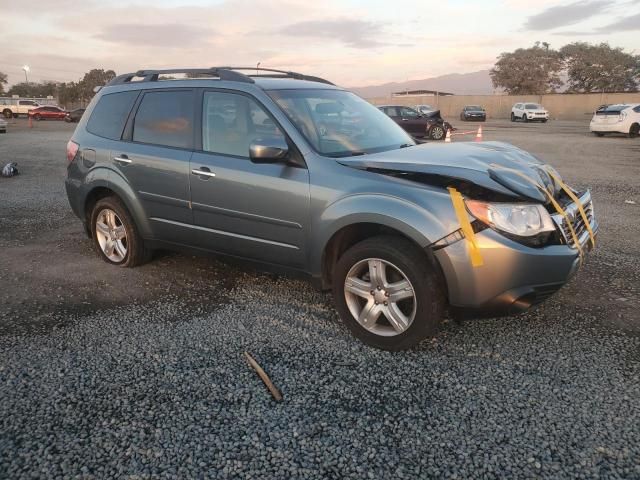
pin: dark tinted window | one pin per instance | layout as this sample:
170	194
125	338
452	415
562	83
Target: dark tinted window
408	112
165	118
110	114
637	109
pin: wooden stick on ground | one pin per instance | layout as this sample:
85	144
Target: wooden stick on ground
264	377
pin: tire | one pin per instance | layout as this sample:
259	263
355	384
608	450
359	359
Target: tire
598	134
524	118
634	131
513	117
134	252
37	117
437	132
422	310
7	113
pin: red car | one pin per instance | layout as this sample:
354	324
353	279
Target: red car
41	113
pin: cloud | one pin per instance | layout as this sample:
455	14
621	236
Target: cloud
564	15
163	35
354	33
625	24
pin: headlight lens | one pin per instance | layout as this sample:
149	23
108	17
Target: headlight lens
522	220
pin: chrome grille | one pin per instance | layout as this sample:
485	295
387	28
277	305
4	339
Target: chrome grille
578	223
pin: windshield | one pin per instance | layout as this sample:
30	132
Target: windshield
473	107
340	124
533	106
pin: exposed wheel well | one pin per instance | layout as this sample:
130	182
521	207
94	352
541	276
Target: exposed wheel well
348	236
95	195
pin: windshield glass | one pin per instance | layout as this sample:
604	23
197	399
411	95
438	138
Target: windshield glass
533	106
338	123
473	107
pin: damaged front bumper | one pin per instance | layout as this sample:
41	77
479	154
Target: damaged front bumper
513	276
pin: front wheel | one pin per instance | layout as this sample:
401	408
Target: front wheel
436	132
634	131
513	117
387	293
524	118
115	235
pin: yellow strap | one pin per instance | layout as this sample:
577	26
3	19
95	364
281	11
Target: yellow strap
583	214
465	225
555	204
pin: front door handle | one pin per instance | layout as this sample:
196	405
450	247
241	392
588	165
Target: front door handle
203	171
122	159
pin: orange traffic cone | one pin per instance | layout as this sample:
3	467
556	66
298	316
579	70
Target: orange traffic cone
30	121
447	139
479	134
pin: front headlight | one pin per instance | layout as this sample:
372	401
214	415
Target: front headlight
518	219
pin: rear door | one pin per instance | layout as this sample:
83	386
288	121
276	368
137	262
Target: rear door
256	211
154	159
413	122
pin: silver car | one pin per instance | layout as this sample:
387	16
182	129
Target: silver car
294	173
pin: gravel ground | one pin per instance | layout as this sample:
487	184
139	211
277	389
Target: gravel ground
139	373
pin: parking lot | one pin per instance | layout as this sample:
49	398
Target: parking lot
139	373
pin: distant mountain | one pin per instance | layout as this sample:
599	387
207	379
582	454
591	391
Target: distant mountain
475	83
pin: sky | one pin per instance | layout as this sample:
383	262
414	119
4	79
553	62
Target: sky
350	42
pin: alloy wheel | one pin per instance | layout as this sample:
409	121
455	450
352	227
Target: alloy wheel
111	235
380	297
437	132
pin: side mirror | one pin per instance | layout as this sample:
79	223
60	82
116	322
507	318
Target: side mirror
268	150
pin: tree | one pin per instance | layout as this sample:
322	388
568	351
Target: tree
93	78
3	81
600	68
534	70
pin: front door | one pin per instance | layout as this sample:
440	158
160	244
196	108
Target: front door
256	211
412	121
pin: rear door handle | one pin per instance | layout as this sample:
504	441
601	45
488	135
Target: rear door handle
122	159
203	172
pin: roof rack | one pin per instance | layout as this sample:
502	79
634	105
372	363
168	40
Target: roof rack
224	73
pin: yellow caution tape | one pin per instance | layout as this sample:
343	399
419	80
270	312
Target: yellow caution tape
465	225
583	214
555	204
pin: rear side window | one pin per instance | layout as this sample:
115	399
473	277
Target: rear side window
110	114
165	118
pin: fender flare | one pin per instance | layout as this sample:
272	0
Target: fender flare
106	178
413	221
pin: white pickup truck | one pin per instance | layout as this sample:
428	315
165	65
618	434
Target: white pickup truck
12	107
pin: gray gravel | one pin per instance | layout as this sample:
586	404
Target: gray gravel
106	373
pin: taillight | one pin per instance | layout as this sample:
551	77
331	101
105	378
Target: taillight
72	150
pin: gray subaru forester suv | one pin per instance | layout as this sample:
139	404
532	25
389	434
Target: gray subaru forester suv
295	173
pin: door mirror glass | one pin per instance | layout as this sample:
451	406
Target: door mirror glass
268	150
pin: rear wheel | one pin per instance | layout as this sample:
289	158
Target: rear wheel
436	132
7	113
598	134
37	117
115	235
387	293
634	131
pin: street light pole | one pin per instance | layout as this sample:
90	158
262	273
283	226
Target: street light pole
26	69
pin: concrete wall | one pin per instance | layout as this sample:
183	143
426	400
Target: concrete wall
561	106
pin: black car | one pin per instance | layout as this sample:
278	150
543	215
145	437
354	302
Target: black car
74	115
430	124
473	112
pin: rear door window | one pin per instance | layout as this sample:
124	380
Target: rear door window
165	118
110	114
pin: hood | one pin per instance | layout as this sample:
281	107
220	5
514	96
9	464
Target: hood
475	110
490	165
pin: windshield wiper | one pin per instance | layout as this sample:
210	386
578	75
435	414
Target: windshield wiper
348	154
